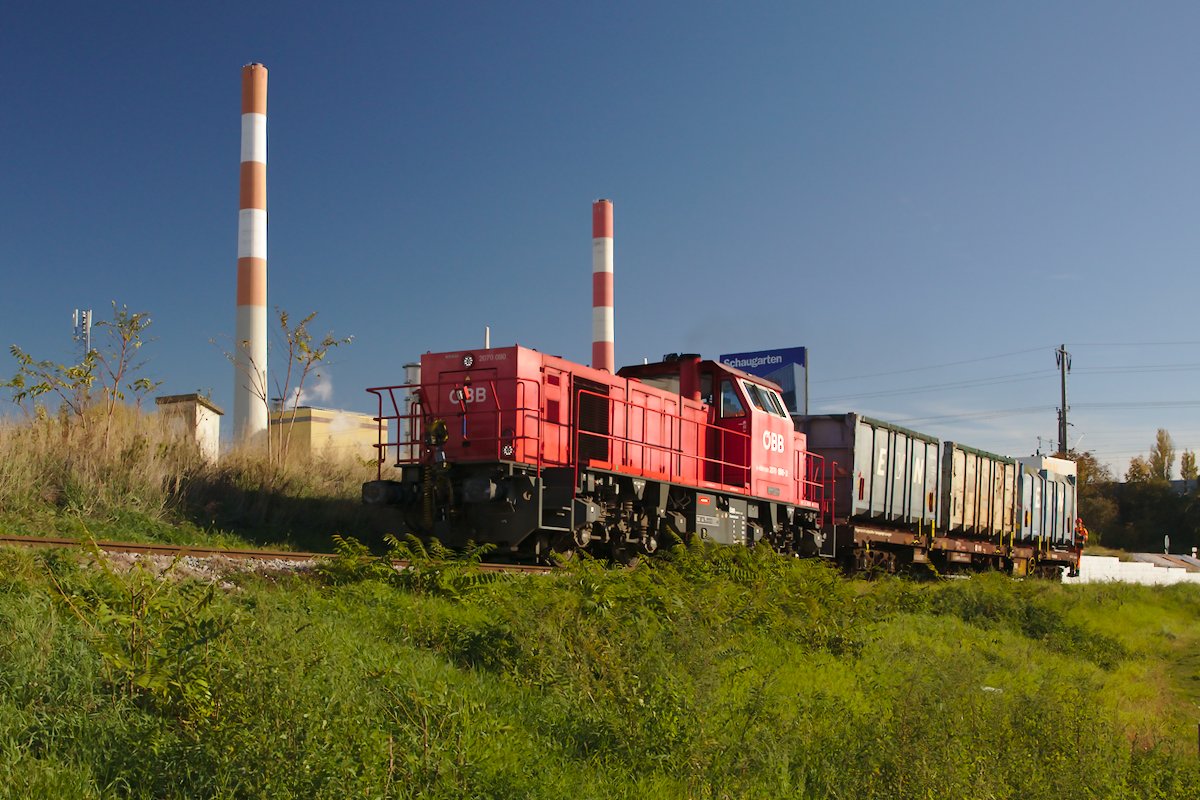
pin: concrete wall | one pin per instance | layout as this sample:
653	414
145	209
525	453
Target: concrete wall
196	419
1097	569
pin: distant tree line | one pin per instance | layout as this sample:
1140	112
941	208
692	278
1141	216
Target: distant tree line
1136	514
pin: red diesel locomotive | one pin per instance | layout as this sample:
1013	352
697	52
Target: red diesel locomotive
537	454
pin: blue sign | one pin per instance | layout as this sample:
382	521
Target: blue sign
787	367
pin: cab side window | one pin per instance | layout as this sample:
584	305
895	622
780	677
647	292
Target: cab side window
731	404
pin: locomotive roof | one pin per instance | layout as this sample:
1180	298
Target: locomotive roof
672	366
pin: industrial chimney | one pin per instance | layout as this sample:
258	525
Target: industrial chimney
603	356
250	343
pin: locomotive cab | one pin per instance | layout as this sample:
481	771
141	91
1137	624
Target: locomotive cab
751	441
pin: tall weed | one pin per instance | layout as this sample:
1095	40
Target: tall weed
143	481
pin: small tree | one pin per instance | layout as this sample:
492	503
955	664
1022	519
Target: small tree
1097	505
71	383
1162	456
119	378
1139	470
112	364
1187	467
303	356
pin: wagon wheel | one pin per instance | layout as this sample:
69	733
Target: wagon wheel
874	562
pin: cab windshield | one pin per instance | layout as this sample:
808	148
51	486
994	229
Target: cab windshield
764	399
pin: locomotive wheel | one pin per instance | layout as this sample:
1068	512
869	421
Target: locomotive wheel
625	555
564	549
549	550
582	536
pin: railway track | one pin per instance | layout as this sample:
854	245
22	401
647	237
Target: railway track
198	551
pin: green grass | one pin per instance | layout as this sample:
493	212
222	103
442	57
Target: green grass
707	674
723	674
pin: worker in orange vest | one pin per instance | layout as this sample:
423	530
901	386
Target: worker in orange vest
1081	540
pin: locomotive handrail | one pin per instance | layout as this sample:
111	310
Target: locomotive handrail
664	457
673	451
525	416
812	485
807	490
832	496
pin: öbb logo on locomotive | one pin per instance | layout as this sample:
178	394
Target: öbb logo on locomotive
468	394
773	441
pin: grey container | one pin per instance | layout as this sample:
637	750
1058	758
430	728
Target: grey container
884	473
1048	504
979	493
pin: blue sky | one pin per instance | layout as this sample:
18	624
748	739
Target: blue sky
930	196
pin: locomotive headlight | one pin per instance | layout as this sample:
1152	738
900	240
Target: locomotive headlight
468	361
508	450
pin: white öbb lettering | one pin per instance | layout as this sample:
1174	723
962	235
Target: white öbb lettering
477	394
773	441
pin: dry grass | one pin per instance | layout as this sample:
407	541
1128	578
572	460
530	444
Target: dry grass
62	474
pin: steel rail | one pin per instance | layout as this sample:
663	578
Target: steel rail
199	551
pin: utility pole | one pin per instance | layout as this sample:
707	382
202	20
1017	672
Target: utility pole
1063	359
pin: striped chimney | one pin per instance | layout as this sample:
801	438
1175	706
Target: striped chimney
250	350
602	286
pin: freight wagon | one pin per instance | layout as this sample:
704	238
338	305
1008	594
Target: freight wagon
903	498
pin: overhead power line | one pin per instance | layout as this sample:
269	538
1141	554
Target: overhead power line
1008	412
1132	344
979	415
1016	377
934	366
1143	404
1130	368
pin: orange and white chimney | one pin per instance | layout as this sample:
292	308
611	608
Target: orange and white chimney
250	343
603	356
